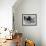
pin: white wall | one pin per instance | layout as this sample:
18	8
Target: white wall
6	13
43	22
28	7
6	18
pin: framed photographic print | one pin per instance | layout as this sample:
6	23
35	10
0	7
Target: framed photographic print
29	19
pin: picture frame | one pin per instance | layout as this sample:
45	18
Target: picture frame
29	19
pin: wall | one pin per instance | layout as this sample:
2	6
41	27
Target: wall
6	18
43	22
6	13
28	7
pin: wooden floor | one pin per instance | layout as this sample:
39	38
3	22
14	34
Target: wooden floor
9	43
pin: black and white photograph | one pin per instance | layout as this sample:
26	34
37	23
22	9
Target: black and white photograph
29	19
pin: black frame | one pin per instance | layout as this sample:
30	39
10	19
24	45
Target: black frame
29	15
